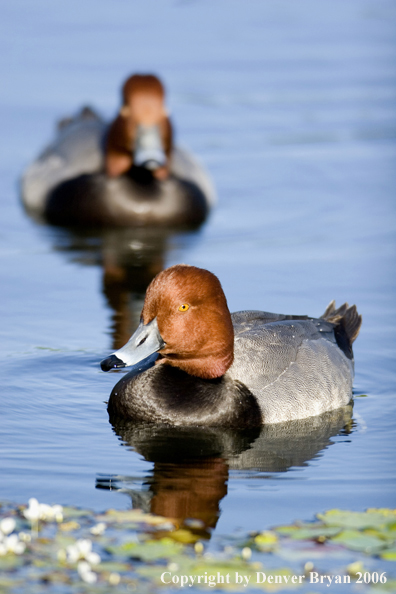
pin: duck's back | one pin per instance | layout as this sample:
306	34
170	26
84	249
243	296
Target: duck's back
295	366
76	149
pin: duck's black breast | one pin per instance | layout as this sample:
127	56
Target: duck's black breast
167	395
129	200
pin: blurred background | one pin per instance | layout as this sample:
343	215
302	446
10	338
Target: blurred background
291	107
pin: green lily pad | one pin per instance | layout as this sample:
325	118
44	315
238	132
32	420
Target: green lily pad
63	540
11	561
151	550
266	541
315	533
286	530
389	554
184	536
74	512
372	518
69	526
134	516
113	566
358	541
139	562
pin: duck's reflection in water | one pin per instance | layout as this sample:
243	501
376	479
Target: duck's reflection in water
129	258
130	261
191	467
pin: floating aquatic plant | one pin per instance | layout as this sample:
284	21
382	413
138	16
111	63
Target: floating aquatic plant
77	551
9	541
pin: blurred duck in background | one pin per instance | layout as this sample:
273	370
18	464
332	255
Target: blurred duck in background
125	174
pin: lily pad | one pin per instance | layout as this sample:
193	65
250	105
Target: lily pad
358	541
133	516
113	567
136	558
372	518
74	512
11	562
266	540
315	533
69	526
286	530
151	550
389	554
183	536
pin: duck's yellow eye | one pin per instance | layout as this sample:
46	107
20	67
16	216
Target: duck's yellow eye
184	307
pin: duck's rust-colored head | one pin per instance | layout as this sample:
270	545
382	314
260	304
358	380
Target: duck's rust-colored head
141	134
185	318
143	97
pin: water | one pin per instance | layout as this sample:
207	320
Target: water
292	108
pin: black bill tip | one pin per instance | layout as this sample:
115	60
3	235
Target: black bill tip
112	362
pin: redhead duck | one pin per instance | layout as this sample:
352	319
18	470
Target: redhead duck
219	369
127	174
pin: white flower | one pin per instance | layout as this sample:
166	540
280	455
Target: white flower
11	541
7	525
73	554
19	548
58	512
82	549
98	529
32	513
83	567
48	512
12	544
93	558
85	572
84	545
45	511
198	548
42	511
246	553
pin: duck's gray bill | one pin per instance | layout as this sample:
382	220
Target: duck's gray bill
145	341
148	150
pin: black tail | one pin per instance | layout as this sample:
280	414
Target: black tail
345	317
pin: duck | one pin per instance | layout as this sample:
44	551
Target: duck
128	173
196	364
